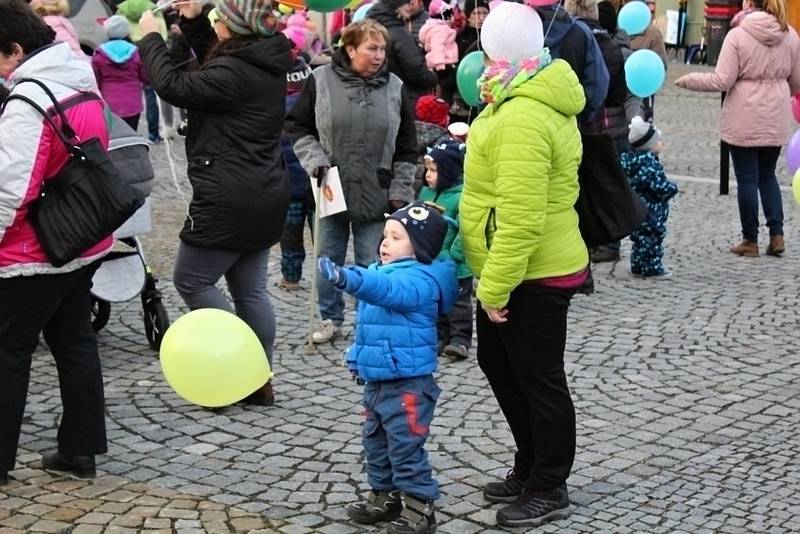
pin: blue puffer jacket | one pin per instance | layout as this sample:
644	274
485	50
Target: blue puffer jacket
398	307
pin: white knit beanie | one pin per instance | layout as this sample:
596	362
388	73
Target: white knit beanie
512	32
643	135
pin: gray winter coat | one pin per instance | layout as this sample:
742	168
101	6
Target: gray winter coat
363	126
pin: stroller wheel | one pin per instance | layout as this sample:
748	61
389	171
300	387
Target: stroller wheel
156	322
100	312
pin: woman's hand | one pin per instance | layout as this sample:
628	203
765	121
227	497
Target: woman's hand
191	9
148	23
496	315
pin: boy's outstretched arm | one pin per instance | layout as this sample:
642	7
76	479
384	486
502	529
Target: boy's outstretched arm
401	291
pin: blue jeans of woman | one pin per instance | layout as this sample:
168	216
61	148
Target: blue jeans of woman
755	174
334	233
197	271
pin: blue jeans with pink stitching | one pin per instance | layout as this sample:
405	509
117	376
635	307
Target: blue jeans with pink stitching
398	415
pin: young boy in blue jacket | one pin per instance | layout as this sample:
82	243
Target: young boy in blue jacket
395	353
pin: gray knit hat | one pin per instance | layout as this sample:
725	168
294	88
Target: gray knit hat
643	135
117	27
248	17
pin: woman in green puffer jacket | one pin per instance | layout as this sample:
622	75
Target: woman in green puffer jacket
521	239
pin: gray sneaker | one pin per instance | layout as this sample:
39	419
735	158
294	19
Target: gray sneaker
457	351
535	507
378	506
326	332
417	518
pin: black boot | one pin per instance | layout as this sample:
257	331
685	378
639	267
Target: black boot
378	506
3	478
535	507
417	517
80	466
263	396
508	490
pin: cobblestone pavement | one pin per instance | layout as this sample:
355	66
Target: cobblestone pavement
687	393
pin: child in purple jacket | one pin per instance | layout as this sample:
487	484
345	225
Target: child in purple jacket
119	71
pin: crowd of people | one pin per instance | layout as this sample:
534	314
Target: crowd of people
439	214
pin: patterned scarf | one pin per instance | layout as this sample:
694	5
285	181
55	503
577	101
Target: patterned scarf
502	77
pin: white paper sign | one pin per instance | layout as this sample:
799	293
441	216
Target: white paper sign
671	35
332	194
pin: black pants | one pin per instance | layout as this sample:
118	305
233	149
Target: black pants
524	362
456	326
58	305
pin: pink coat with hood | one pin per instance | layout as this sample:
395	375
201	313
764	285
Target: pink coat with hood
31	153
65	33
759	67
439	40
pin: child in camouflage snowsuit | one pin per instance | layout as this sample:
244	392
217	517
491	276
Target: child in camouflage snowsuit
649	181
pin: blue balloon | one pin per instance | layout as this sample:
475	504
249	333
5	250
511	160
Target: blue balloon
634	18
361	13
644	73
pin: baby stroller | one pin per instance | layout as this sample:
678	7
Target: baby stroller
124	273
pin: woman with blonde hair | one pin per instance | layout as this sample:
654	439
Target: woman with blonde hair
55	13
759	68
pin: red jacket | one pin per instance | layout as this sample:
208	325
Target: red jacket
30	153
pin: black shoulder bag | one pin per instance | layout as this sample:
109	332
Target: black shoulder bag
607	207
86	201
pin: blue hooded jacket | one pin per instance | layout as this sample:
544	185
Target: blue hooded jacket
398	306
583	55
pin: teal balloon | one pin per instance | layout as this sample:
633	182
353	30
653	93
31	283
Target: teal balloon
326	6
361	12
644	73
469	70
634	17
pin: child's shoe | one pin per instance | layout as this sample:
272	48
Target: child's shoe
535	507
416	518
286	285
457	351
379	506
663	275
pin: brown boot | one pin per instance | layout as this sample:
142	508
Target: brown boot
746	248
776	246
263	396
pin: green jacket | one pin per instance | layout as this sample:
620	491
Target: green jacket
448	199
518	219
133	10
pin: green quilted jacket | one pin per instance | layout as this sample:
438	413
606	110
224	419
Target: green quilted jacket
449	199
518	219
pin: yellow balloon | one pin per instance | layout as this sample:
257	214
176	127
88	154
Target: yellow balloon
284	9
796	186
212	358
353	5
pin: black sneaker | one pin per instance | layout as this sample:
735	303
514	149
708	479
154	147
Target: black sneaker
80	466
379	506
508	490
417	517
535	507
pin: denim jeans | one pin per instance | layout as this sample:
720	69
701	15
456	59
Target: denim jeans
398	415
334	233
197	271
293	252
755	173
56	305
523	359
151	112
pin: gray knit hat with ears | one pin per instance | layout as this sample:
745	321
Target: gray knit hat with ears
117	27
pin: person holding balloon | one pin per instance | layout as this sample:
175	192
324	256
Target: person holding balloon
240	191
355	115
759	68
520	236
400	299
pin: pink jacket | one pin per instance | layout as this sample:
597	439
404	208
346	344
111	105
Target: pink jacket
439	40
65	33
759	67
30	153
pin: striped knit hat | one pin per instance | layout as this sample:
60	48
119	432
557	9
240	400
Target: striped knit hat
248	17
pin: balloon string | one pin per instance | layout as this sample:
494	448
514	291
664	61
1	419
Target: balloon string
171	159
